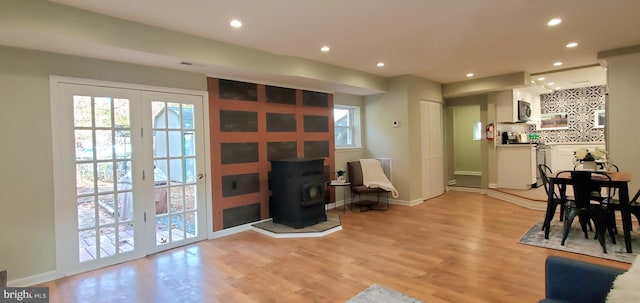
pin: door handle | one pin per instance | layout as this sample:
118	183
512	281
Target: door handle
200	176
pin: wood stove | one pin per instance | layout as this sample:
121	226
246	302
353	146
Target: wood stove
297	192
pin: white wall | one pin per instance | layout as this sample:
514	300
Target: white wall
342	156
26	208
623	79
403	144
81	32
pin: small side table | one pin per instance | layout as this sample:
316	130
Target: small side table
335	184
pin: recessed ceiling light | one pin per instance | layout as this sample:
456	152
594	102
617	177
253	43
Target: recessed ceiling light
552	83
558	88
554	22
325	49
469	75
572	44
235	23
541	78
557	63
380	64
533	81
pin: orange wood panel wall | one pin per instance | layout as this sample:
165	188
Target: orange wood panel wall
223	207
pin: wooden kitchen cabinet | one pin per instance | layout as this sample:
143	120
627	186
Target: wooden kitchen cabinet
516	166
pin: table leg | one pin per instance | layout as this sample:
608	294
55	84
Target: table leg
626	215
344	200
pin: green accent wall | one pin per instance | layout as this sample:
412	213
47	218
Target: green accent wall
466	150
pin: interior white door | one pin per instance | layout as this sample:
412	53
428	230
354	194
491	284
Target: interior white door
432	143
109	196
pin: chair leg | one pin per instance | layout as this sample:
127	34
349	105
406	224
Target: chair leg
636	212
612	221
601	220
567	224
551	211
584	221
600	230
386	199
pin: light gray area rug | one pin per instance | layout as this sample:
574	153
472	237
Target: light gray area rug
380	294
576	243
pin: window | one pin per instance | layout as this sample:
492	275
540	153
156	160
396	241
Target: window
345	120
477	131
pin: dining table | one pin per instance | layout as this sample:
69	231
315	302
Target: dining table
619	180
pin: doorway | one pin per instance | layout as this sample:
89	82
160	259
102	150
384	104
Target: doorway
467	154
129	173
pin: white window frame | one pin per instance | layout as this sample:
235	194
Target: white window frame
354	127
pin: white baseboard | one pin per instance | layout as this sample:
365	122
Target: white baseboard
467	189
517	200
334	205
233	230
34	280
493	185
467	173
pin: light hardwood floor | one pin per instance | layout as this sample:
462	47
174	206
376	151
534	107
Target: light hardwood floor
460	247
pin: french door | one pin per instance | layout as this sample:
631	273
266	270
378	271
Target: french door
129	172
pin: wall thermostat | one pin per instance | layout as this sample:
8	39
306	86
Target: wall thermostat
396	123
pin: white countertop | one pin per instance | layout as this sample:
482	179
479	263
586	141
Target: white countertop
517	145
576	143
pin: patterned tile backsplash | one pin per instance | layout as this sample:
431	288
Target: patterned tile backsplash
579	104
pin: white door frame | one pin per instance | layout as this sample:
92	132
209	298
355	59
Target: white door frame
60	142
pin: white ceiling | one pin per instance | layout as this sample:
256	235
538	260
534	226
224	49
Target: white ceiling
437	40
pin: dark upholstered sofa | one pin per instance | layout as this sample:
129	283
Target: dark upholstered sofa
573	281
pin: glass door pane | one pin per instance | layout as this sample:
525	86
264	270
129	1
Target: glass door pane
176	177
104	199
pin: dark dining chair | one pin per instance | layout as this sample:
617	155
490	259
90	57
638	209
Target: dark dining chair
587	208
555	200
634	209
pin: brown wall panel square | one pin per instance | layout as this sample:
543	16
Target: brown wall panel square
236	90
316	149
239	152
280	95
318	99
317	124
235	185
238	121
282	150
241	215
281	122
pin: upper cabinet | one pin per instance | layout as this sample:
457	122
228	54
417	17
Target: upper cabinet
505	109
507	105
534	101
